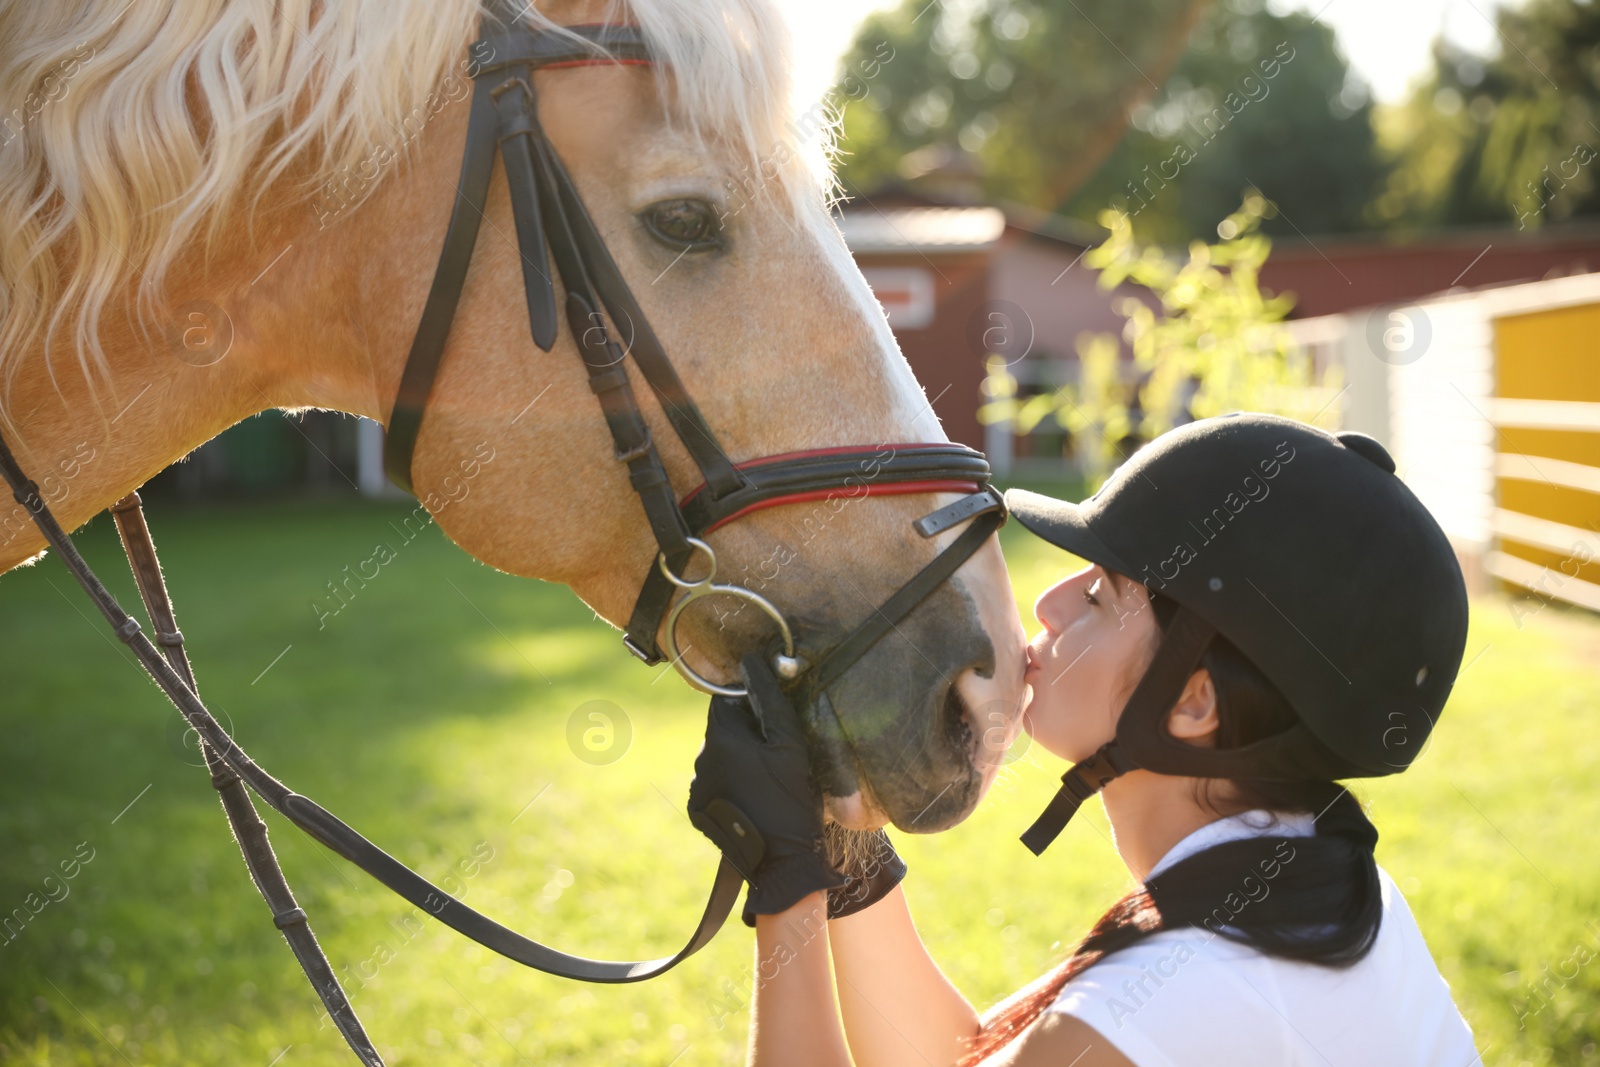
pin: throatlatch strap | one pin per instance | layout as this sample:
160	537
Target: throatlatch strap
1175	660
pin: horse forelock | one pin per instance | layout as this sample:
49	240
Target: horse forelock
133	134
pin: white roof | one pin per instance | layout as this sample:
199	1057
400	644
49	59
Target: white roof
921	229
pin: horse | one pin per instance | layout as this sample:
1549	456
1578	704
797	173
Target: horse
211	209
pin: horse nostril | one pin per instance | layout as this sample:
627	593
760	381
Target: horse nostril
956	720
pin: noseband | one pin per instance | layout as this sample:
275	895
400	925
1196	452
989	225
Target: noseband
550	217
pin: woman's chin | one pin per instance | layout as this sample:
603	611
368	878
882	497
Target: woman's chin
1066	747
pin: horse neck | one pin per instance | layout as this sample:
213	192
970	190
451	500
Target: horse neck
88	437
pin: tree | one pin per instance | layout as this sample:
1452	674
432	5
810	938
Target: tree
1259	100
1217	344
1041	91
1504	138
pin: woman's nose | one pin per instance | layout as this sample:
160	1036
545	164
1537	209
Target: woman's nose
1048	608
1057	606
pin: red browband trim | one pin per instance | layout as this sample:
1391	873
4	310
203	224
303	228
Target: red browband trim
599	61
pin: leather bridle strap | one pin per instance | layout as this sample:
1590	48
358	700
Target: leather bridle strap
323	825
248	829
550	216
608	328
874	627
455	256
827	474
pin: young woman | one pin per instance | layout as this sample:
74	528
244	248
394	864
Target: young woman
1267	610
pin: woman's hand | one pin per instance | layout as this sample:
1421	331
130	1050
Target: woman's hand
754	797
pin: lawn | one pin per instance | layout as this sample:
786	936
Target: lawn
434	711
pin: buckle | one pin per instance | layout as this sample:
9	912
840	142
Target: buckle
1086	779
638	451
512	83
982	502
649	659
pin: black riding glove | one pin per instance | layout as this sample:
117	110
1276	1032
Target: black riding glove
753	796
872	868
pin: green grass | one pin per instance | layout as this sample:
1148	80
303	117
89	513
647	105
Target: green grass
433	710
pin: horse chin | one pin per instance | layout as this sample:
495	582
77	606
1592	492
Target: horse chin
854	812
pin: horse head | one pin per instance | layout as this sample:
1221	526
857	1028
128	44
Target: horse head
311	229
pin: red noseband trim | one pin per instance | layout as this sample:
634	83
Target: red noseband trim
807	453
887	489
934	485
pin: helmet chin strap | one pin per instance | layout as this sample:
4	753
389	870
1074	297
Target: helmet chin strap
1142	716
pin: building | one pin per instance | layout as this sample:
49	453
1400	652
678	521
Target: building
1489	400
1334	274
961	284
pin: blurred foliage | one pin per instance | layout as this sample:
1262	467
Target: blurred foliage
1259	100
1217	345
1510	138
1220	97
1039	90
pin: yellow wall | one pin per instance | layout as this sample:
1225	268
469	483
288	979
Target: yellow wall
1550	355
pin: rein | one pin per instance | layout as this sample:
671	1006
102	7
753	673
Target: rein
550	221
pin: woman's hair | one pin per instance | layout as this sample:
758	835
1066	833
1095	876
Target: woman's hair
1314	899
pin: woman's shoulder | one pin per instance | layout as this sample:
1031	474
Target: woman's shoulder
1162	992
1192	996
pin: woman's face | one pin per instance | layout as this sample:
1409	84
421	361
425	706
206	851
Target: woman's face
1098	637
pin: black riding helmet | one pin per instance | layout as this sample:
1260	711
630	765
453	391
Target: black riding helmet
1305	551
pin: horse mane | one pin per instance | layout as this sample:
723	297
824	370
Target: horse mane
133	132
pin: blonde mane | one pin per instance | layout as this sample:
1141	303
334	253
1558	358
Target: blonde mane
134	132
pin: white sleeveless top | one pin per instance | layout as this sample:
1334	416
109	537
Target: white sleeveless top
1188	998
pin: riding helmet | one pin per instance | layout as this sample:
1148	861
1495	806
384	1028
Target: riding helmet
1307	552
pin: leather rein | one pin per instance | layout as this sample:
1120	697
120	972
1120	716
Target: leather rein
549	215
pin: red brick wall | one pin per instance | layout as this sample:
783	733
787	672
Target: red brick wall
947	355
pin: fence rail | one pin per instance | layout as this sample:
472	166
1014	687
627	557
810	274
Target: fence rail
1545	414
1545	582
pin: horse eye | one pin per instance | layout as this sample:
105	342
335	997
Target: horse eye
684	224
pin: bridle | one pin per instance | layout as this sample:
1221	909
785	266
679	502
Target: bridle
550	215
551	220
